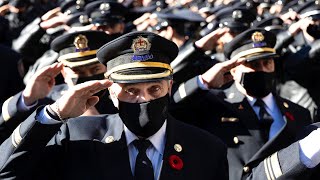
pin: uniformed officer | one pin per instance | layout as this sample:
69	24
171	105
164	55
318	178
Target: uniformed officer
107	16
177	25
78	63
246	114
142	141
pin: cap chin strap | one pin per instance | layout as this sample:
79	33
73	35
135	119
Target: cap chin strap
139	65
77	54
140	76
78	63
253	51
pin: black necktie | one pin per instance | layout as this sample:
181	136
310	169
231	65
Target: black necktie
265	120
143	168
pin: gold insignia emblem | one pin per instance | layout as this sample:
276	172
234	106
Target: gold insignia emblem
286	105
177	147
257	37
140	44
81	42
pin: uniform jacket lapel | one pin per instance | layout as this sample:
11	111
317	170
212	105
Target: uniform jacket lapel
172	137
286	134
114	150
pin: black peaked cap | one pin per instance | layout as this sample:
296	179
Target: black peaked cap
138	57
253	44
78	52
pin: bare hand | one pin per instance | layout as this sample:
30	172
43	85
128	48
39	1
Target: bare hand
4	9
54	21
79	98
218	76
41	83
50	14
209	41
302	24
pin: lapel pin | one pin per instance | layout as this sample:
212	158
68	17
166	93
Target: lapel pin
289	116
177	147
285	104
175	162
240	107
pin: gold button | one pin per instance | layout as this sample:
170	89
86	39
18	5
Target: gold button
246	169
236	140
240	107
286	105
109	139
177	147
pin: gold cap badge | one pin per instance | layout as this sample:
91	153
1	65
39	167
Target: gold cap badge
81	42
140	45
257	37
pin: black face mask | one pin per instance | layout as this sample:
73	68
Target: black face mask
89	78
144	119
314	31
257	84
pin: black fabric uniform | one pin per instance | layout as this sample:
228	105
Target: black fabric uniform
11	80
80	149
228	114
11	117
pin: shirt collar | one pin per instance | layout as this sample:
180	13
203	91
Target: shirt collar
157	140
268	100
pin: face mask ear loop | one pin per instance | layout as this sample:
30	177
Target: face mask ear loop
242	79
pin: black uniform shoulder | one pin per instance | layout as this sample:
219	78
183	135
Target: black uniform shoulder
197	136
293	105
91	127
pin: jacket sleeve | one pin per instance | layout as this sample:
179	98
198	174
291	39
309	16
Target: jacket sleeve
11	117
284	164
23	152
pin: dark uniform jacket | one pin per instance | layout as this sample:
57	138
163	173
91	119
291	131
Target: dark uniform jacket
11	117
228	114
94	147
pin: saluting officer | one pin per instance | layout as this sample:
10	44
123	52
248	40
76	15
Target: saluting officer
142	141
245	113
78	63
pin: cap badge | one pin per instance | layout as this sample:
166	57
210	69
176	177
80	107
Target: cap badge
84	19
81	43
104	7
257	38
237	14
141	47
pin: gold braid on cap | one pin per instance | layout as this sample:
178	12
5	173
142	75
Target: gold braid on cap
139	65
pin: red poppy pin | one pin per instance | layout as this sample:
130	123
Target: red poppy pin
289	116
175	162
